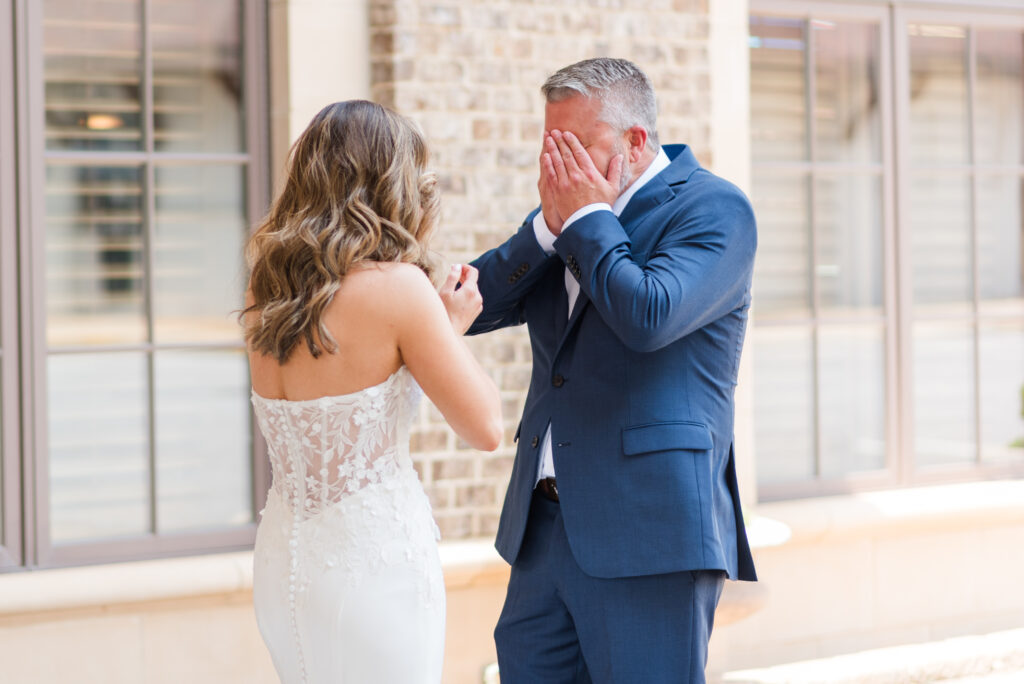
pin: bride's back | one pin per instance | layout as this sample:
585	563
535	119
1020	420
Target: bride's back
362	320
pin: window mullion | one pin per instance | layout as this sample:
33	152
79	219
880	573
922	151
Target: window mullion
812	214
148	220
972	144
902	245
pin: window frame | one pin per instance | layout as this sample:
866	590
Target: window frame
40	551
898	312
10	470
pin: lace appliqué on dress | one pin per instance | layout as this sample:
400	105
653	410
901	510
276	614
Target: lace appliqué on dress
345	496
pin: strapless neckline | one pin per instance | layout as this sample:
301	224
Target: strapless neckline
332	398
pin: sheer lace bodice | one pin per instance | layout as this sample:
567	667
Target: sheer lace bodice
322	450
346	522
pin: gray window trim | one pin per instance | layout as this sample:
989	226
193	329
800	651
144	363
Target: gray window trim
10	472
900	468
24	288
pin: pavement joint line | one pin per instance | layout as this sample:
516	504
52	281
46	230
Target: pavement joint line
974	657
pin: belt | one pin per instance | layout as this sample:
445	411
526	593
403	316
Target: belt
547	488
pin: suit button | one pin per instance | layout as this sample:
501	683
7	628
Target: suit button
535	441
558	381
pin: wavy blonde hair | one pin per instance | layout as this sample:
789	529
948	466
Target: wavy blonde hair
356	190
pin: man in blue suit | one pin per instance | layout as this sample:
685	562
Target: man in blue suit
622	518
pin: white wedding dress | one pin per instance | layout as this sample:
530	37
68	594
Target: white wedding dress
347	583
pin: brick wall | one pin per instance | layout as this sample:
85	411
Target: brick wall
469	71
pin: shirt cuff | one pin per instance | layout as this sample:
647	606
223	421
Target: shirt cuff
544	236
583	211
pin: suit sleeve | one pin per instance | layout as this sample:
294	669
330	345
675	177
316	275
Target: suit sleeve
699	270
508	273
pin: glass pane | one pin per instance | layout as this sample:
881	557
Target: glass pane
847	102
197	75
849	233
938	94
999	112
94	255
93	67
782	270
851	372
1002	390
199	275
940	223
778	89
944	426
204	468
99	446
1001	244
783	404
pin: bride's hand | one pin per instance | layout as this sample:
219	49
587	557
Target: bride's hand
464	304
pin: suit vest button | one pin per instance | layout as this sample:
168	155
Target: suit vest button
558	381
535	441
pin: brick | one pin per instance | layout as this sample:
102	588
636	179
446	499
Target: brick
441	15
453	469
501	466
475	495
440	496
454	525
430	440
483	129
489	524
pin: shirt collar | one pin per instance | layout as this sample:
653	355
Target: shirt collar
655	167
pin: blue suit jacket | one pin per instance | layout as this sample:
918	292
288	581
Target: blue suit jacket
638	383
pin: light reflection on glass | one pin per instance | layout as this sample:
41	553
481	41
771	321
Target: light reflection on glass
944	425
199	275
1001	361
98	444
938	94
851	386
784	404
847	103
940	224
999	93
93	72
95	257
782	270
778	89
849	244
197	75
202	440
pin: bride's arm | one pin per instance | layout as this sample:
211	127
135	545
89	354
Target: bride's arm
430	342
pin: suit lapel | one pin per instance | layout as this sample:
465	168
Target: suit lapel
656	192
582	300
561	307
653	194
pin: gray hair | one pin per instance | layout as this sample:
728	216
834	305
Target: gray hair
624	91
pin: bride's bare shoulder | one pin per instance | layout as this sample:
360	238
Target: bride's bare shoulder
388	278
385	287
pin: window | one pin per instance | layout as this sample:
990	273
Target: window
144	149
889	290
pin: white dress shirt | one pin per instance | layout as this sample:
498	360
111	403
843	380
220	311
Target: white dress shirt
546	467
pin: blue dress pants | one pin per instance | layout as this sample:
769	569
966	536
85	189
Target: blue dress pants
562	626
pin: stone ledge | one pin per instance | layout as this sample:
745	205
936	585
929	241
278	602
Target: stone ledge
465	563
473	563
898	512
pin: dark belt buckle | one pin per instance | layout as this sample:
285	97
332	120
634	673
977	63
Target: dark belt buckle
548	488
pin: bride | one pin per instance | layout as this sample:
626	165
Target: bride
344	325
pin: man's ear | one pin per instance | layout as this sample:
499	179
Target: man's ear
637	139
